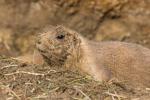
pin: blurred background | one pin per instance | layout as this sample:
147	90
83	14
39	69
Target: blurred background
100	20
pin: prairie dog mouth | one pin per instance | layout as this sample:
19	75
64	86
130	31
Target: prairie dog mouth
42	51
40	48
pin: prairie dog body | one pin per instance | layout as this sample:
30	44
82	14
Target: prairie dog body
102	60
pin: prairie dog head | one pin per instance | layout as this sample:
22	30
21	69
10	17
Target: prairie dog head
57	44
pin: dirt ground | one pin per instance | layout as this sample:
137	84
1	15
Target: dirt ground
100	20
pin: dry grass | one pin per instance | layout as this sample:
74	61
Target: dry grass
20	81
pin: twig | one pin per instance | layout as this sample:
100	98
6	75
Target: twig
148	89
87	97
41	97
52	71
14	94
76	98
16	58
53	89
113	98
23	72
76	80
11	91
9	66
115	95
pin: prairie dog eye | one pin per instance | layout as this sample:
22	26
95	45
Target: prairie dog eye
60	37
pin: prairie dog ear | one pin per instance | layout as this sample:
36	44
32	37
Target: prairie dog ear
77	39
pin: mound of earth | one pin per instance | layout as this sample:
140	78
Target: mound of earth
20	81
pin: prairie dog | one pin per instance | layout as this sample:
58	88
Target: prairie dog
102	60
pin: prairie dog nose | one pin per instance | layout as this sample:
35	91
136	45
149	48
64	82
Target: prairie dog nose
39	41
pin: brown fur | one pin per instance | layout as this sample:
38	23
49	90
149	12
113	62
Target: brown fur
35	58
102	60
